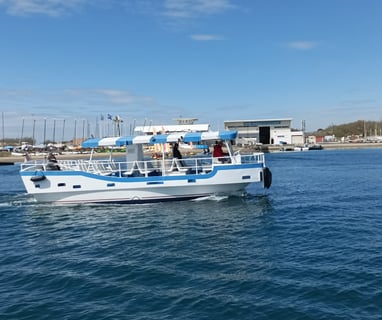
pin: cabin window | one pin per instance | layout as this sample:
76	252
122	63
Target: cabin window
110	185
37	186
246	177
61	184
77	186
191	180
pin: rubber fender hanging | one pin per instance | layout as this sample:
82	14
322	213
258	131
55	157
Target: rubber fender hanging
37	178
267	174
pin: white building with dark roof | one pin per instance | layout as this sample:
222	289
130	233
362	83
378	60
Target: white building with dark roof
265	131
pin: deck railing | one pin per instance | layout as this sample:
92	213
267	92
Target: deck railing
152	167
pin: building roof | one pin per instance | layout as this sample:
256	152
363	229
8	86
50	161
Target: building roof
260	120
172	128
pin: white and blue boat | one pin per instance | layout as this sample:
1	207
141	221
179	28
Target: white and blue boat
134	178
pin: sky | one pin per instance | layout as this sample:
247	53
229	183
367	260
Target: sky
66	63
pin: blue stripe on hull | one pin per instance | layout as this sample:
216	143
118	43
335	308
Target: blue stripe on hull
136	201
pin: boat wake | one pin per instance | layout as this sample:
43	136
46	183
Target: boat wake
211	198
13	200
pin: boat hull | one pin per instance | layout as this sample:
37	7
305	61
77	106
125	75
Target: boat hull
82	187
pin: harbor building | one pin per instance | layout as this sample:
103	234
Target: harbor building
184	125
265	131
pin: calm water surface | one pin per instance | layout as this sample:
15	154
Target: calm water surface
308	248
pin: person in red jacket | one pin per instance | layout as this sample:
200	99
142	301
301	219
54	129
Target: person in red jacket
218	151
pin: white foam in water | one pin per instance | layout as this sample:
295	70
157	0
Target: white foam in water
211	198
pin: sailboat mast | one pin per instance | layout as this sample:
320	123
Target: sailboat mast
33	132
22	132
63	132
2	116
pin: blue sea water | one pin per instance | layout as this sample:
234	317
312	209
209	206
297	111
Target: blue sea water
308	248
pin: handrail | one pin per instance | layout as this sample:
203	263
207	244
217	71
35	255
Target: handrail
145	167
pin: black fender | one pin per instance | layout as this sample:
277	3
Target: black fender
267	178
38	177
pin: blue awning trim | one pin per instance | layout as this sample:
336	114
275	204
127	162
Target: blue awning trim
200	146
159	138
124	141
228	135
192	137
91	143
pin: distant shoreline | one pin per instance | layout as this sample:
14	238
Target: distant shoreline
336	145
325	146
265	148
15	159
352	145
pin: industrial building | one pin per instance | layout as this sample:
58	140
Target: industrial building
266	131
250	132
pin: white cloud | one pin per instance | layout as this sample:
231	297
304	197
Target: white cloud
169	8
191	8
206	37
71	104
303	45
122	97
41	7
67	100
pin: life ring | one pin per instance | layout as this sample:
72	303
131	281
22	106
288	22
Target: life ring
267	178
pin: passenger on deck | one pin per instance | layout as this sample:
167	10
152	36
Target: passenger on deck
52	162
218	152
176	153
27	157
51	157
